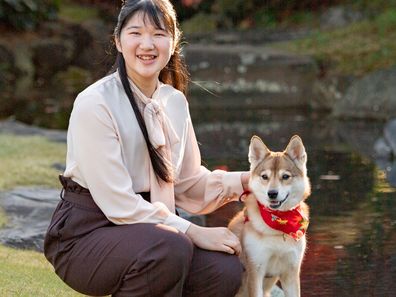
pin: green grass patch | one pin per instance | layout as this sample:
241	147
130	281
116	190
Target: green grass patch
28	160
73	12
27	273
357	49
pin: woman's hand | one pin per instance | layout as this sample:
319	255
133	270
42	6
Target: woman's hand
214	239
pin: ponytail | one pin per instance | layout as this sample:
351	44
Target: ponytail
157	160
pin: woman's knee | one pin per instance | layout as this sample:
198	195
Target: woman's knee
232	272
213	274
166	264
175	249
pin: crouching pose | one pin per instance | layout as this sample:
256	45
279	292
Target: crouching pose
132	158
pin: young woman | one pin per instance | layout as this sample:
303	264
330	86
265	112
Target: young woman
132	157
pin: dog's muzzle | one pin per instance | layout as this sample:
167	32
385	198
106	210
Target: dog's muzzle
275	204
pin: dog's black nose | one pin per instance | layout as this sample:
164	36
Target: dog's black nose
272	194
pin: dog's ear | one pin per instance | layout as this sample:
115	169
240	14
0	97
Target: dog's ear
296	150
257	150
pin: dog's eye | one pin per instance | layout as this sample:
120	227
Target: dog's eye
285	176
264	177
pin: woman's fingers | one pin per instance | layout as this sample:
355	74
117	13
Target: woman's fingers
215	239
227	249
235	245
232	241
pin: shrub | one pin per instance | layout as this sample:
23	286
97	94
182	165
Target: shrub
27	14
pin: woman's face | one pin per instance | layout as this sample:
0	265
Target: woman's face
146	49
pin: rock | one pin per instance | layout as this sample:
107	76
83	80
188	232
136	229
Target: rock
96	56
29	211
256	37
275	292
371	97
11	126
70	81
391	174
28	214
390	135
248	76
328	90
51	55
339	16
90	42
382	150
358	135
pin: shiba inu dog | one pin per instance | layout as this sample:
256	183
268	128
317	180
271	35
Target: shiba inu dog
272	225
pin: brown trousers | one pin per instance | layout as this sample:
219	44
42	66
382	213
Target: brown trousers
96	257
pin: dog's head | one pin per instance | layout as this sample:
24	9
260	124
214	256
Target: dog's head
279	179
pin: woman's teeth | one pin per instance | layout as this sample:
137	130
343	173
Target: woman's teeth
150	57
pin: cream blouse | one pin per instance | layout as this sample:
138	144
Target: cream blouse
107	154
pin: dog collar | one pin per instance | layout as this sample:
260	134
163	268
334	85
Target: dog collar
245	193
291	222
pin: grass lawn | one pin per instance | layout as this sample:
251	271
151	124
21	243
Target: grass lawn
27	274
28	160
357	49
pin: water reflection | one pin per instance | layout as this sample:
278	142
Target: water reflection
352	235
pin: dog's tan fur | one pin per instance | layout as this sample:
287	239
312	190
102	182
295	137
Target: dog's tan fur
268	254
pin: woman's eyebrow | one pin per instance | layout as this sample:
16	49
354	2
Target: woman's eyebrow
133	27
139	27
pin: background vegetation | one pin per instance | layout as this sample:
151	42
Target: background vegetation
223	14
356	49
27	14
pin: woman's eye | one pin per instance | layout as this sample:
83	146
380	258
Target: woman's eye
160	34
134	33
264	177
285	176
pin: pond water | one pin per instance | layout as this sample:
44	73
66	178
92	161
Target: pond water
352	234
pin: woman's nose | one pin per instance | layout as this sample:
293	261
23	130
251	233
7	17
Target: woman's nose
147	43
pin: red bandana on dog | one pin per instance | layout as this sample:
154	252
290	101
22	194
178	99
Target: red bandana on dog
290	222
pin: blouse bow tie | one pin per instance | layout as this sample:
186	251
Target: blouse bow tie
158	124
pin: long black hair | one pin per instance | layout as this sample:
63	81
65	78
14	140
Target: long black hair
159	13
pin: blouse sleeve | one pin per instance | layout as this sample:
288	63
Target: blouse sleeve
199	190
97	152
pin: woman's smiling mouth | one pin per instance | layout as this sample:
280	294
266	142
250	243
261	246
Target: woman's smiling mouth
146	57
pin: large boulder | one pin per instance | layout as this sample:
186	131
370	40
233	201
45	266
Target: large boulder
390	135
371	97
385	146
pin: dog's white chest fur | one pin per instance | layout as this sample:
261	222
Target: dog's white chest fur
275	254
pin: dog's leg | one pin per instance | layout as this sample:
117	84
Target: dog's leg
268	283
255	278
291	283
243	290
